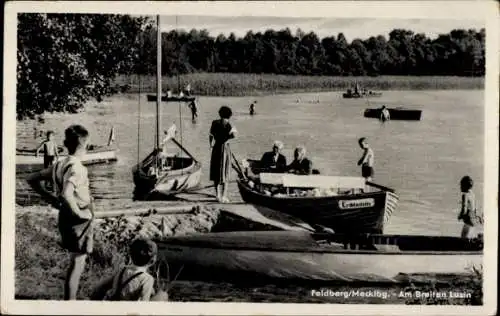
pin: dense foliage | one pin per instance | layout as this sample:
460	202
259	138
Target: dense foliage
66	59
459	53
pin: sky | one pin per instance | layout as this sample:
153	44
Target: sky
352	28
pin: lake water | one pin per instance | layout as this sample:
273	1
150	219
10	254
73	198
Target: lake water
423	161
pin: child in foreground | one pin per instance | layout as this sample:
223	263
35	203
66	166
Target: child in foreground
133	282
71	196
468	212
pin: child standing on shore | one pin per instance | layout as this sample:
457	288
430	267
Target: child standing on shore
133	282
49	150
73	200
468	212
367	160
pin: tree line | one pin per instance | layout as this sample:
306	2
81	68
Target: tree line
458	53
63	60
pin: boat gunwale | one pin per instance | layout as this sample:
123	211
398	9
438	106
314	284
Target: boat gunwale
315	198
194	165
313	249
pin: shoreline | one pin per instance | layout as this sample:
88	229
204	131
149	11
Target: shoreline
242	84
40	263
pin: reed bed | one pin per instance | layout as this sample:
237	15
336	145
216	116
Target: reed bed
233	84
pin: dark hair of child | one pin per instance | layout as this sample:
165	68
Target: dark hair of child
225	112
143	252
466	183
74	137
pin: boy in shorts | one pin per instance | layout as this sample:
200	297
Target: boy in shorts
367	160
71	196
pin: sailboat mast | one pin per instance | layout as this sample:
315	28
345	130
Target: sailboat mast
158	80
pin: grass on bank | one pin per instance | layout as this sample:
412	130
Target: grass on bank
230	84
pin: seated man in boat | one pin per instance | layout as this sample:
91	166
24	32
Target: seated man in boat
384	114
300	165
274	161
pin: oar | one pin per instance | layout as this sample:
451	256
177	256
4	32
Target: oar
240	169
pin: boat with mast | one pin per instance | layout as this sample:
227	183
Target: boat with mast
153	178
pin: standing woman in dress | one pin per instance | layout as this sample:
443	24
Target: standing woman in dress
220	163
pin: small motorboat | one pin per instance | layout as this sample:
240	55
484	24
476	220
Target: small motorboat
304	256
398	113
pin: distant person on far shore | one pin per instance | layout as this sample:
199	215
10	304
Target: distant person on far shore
50	150
252	107
187	90
468	212
367	160
221	132
132	282
75	204
194	110
384	114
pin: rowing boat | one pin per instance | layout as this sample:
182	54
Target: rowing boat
398	113
303	256
351	95
165	98
350	204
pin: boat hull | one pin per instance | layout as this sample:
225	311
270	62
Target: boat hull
176	181
359	96
264	257
365	212
396	114
28	161
164	98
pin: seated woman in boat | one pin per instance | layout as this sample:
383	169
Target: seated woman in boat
300	165
274	161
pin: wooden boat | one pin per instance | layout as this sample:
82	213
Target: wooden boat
165	98
26	159
398	113
350	205
351	95
182	173
303	256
